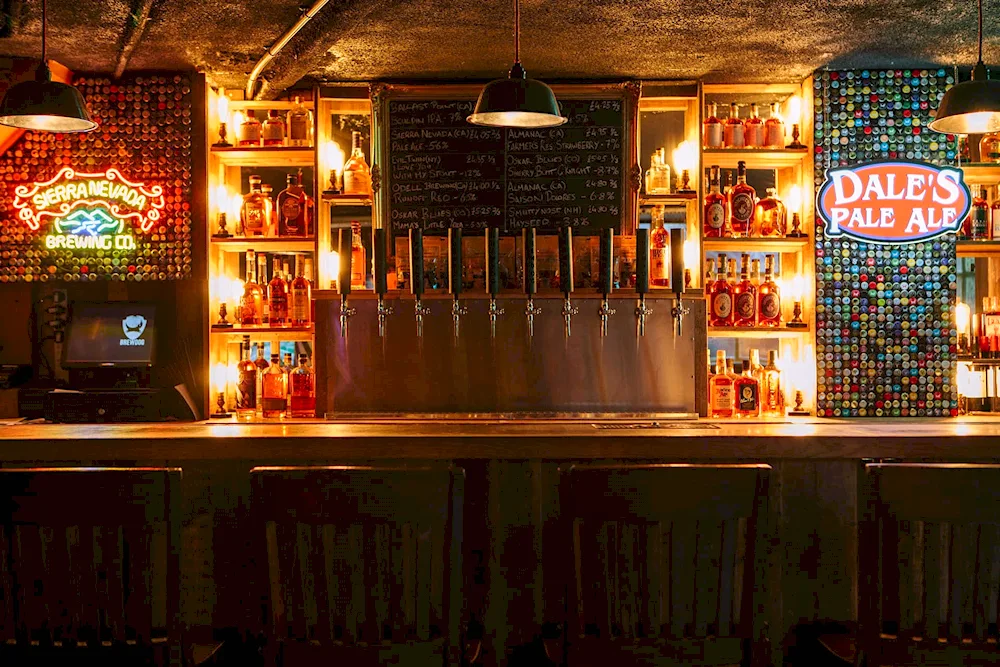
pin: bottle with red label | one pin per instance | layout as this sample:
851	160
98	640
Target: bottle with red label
721	396
746	392
753	129
720	298
745	297
979	215
742	200
733	134
713	129
659	251
769	304
774	129
715	208
995	217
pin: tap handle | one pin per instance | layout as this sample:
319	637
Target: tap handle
344	270
417	262
528	237
455	261
493	261
677	260
642	261
566	260
607	254
381	266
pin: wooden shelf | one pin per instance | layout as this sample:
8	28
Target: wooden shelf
266	156
266	105
265	243
673	198
756	245
271	331
757	332
346	200
977	248
981	173
756	158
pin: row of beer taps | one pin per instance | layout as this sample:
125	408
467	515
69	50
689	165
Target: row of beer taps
530	284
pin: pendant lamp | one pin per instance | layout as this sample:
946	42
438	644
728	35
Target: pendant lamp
517	101
44	104
971	107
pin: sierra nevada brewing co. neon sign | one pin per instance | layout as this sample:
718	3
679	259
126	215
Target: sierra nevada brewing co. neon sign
89	211
893	202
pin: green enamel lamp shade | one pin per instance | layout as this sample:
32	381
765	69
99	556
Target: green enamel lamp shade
517	101
45	105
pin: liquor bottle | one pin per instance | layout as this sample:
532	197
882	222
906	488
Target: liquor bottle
979	230
733	133
249	134
286	362
770	216
277	297
746	389
731	273
721	399
769	308
989	147
650	180
300	306
755	273
713	129
264	282
252	302
293	208
774	129
756	369
661	184
300	125
272	223
745	297
302	402
741	202
359	267
715	208
272	130
255	214
275	390
772	398
721	298
753	129
659	251
261	363
357	175
246	384
709	273
995	217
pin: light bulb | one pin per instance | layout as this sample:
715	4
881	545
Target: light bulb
795	199
962	315
795	109
222	106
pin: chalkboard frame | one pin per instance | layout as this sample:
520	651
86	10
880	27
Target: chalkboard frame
628	92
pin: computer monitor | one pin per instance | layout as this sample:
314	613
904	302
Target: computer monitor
111	335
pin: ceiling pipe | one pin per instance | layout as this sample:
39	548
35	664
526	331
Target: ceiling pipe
276	48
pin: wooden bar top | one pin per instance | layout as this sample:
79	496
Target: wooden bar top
971	438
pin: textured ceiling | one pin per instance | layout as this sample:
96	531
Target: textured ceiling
358	40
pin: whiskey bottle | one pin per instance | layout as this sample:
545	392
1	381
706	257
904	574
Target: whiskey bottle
769	308
741	202
272	223
721	398
246	384
712	129
709	273
249	134
753	131
302	402
721	298
357	175
995	217
300	125
756	369
715	208
746	390
300	305
293	208
772	395
733	133
659	251
252	302
770	216
989	147
661	182
359	267
275	390
272	130
774	129
979	230
286	362
255	214
261	363
263	282
745	297
277	297
650	181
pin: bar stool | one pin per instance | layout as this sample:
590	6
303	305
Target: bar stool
363	563
664	564
89	566
929	571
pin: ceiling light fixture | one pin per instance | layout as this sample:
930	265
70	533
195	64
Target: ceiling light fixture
971	107
43	104
517	101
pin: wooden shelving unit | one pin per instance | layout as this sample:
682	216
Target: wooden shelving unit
981	173
775	245
978	249
759	332
266	156
264	244
756	158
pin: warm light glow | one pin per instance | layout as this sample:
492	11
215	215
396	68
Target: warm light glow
236	120
686	157
798	288
969	382
222	198
794	200
691	257
962	315
222	106
232	375
976	122
333	156
235	290
795	109
330	264
235	204
219	377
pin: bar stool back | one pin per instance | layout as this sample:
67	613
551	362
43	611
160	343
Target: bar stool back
929	571
363	563
89	566
666	565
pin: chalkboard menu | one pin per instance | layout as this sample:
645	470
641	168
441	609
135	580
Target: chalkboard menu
442	171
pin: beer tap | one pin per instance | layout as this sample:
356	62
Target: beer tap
607	271
677	278
493	276
417	277
528	238
455	275
381	287
566	276
344	281
641	280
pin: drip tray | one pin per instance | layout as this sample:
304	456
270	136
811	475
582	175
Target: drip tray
631	426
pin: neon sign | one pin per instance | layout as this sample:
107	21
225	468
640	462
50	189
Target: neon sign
89	229
69	191
893	202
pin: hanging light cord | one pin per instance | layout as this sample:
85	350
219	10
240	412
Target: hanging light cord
517	29
43	32
980	30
